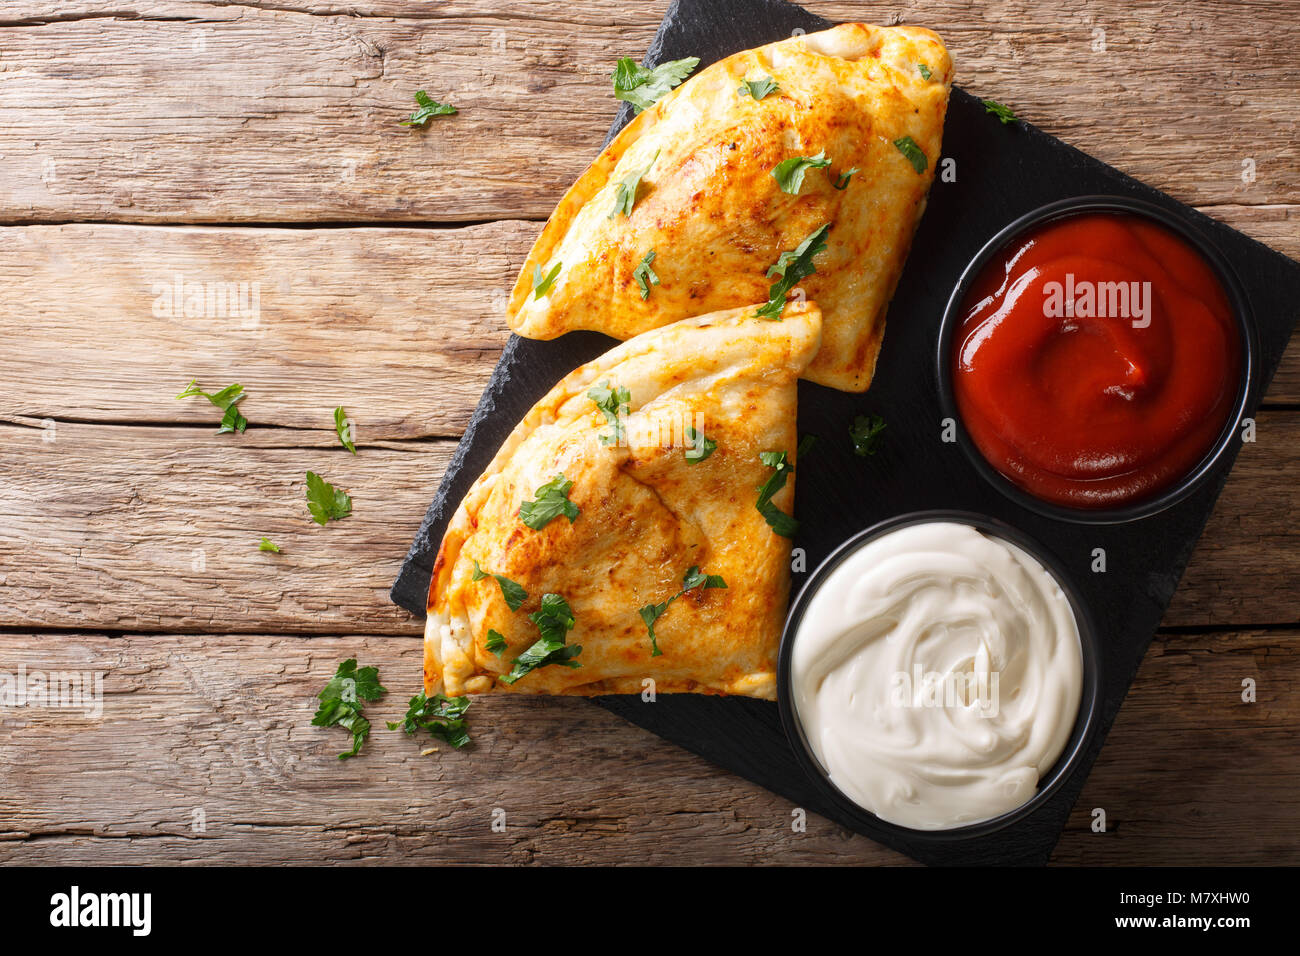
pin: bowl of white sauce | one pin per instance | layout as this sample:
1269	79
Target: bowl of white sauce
939	676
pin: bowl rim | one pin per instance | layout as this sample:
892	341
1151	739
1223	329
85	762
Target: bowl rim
1246	390
1085	724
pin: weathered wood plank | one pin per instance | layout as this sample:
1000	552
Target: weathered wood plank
220	724
400	325
1247	562
273	116
155	528
1190	774
226	112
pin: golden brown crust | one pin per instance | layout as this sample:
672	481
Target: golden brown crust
647	515
715	216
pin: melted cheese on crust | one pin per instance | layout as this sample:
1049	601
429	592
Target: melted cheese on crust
647	515
713	213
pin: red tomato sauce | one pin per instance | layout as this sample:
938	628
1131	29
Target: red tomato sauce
1080	384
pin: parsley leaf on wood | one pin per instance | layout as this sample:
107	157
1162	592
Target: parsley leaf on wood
644	87
551	502
325	502
865	434
513	593
793	266
441	716
341	702
554	620
344	429
266	544
428	108
778	520
912	153
789	173
227	400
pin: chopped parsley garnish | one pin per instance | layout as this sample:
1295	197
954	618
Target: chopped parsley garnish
554	620
693	578
266	544
551	502
625	194
441	716
1003	113
925	71
701	446
542	283
428	109
758	88
788	173
912	153
865	433
806	445
512	591
644	87
649	614
793	266
344	429
342	702
842	181
778	520
227	400
495	642
644	275
614	403
325	502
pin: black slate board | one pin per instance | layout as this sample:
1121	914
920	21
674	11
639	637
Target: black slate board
1002	172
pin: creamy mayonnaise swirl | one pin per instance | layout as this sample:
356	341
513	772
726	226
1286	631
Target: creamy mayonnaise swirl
937	673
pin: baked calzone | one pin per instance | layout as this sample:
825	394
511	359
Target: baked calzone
635	524
816	152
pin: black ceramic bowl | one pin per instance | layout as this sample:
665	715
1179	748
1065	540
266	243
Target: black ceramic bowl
1217	457
1084	724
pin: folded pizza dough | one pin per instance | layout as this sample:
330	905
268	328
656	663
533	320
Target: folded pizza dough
716	218
646	515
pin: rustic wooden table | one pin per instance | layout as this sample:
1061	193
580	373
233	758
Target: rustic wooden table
258	142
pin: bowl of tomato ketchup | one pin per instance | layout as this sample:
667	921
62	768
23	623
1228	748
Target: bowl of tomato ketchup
1099	354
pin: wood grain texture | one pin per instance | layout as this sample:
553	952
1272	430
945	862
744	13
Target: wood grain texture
1191	774
1247	561
157	529
401	326
224	112
220	723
